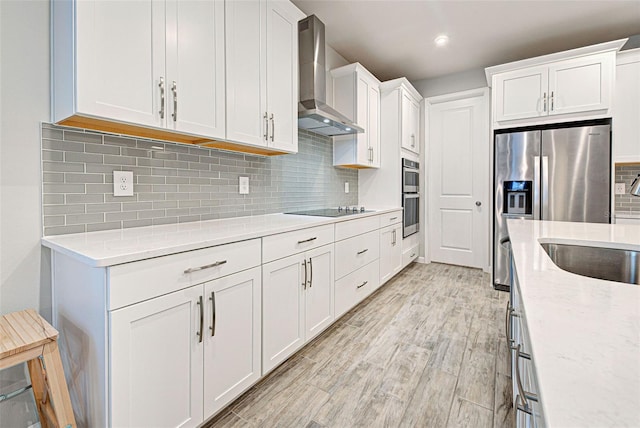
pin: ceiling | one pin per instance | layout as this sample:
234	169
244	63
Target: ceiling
394	38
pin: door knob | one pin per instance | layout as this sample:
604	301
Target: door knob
478	203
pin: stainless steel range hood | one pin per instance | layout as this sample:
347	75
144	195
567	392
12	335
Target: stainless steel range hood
313	112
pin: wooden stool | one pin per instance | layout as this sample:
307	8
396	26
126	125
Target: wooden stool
26	337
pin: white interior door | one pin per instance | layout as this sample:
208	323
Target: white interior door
458	174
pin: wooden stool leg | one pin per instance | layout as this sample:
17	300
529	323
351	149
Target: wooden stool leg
39	389
58	385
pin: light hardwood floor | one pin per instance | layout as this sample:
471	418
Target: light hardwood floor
426	350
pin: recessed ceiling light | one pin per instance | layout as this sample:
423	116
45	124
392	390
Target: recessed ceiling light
441	40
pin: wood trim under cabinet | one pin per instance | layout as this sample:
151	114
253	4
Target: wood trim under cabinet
96	124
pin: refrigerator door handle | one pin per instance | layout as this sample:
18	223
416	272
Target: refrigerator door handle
545	188
536	187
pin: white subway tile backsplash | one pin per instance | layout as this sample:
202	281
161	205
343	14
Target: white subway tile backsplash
178	183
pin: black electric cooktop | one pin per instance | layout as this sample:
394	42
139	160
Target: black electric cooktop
332	212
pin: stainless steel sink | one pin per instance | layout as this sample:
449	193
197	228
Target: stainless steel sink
602	263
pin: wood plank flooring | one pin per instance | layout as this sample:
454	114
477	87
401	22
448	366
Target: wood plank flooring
426	350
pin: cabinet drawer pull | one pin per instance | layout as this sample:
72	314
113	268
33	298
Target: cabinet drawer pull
393	218
413	255
363	284
308	240
161	86
205	266
174	89
213	313
199	333
363	251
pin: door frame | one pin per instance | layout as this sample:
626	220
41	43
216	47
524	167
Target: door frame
485	139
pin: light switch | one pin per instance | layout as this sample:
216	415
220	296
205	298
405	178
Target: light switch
243	185
620	190
346	187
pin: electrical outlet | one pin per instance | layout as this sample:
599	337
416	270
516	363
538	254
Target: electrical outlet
243	185
122	183
620	189
346	187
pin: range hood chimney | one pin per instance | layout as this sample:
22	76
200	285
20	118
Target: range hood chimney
314	114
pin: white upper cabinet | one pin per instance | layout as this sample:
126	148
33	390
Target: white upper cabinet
356	93
147	63
626	115
401	115
195	67
262	73
571	85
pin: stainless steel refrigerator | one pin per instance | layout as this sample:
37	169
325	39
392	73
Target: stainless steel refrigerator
560	174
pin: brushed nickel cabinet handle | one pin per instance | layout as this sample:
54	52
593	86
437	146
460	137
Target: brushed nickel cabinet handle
161	86
394	238
174	89
393	218
363	284
552	100
213	313
273	127
199	333
266	126
363	251
221	262
310	273
524	396
544	102
308	240
304	281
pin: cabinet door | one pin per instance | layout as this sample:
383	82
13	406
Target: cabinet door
245	31
414	120
156	362
319	292
233	337
405	127
390	252
120	60
195	67
282	310
362	119
282	75
521	94
373	129
582	84
626	123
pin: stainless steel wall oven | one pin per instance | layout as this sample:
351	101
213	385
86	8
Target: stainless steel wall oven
410	197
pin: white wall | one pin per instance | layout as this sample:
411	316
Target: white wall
333	60
24	103
457	82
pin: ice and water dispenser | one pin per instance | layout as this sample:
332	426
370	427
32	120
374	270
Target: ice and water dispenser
518	197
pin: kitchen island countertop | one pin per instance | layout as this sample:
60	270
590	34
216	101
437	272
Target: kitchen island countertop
584	332
117	246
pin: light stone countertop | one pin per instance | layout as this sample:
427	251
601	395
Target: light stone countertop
112	247
584	332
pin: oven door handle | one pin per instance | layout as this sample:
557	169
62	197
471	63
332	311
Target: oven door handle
413	170
410	195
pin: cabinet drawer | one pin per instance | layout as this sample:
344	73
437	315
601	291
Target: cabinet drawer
356	252
409	255
285	244
353	288
347	229
390	218
137	281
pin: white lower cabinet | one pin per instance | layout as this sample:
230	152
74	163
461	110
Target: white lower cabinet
297	302
169	351
390	251
156	362
232	337
353	288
